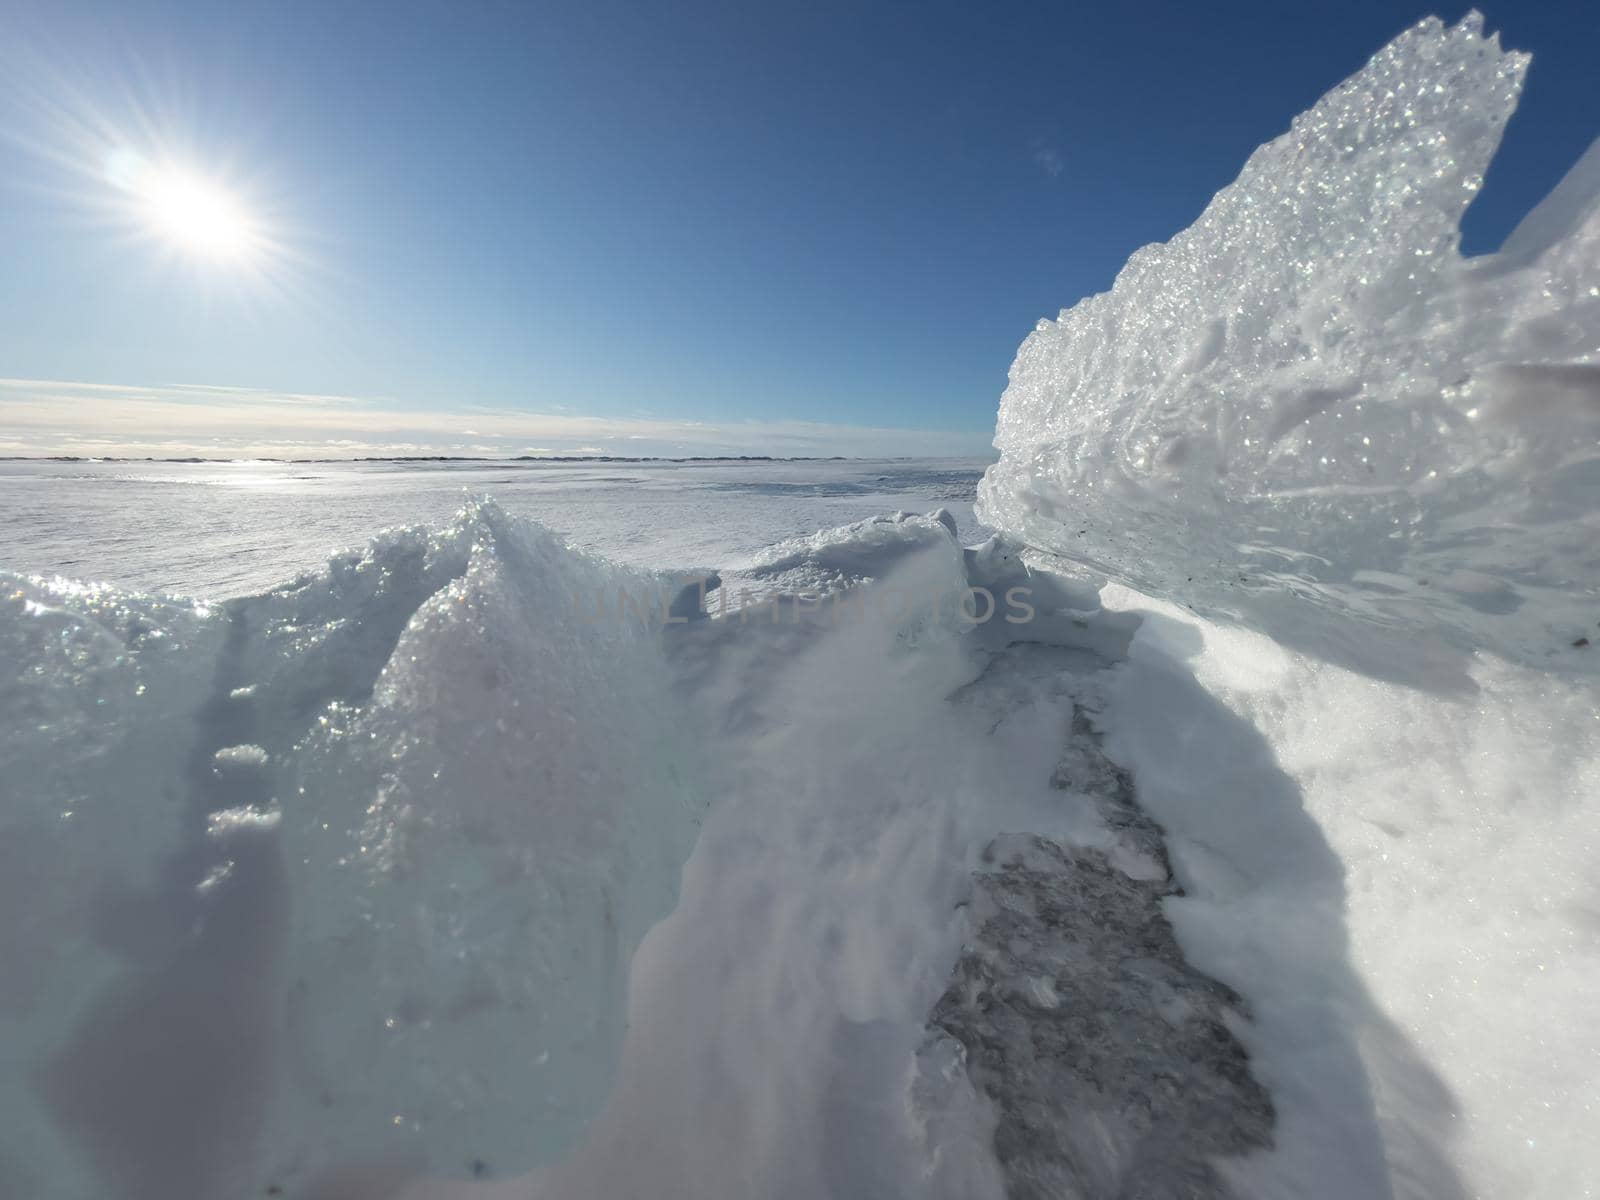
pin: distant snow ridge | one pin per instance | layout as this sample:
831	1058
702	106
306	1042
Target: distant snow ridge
1309	401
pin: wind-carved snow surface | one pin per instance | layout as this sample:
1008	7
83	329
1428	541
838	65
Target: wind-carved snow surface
335	896
350	872
1308	404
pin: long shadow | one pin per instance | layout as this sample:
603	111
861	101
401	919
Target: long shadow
1406	656
168	1079
1263	910
168	1076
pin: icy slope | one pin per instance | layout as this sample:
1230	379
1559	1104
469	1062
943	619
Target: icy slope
348	872
1308	404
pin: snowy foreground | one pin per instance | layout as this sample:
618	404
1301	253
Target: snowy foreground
1224	825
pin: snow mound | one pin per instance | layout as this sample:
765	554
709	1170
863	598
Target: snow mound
350	872
831	560
1310	405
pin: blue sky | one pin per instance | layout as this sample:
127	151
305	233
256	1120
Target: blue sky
640	217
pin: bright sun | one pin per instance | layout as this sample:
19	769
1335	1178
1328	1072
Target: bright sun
191	214
195	216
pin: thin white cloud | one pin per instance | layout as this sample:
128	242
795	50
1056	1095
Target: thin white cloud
51	417
1048	159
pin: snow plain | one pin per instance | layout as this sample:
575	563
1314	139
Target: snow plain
218	529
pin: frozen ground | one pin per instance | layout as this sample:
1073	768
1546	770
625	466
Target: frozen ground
1245	849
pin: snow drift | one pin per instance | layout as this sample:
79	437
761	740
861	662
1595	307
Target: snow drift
348	872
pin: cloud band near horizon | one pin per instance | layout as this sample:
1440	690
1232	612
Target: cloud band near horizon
42	418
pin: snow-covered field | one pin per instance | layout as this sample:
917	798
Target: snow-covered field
217	530
1223	825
